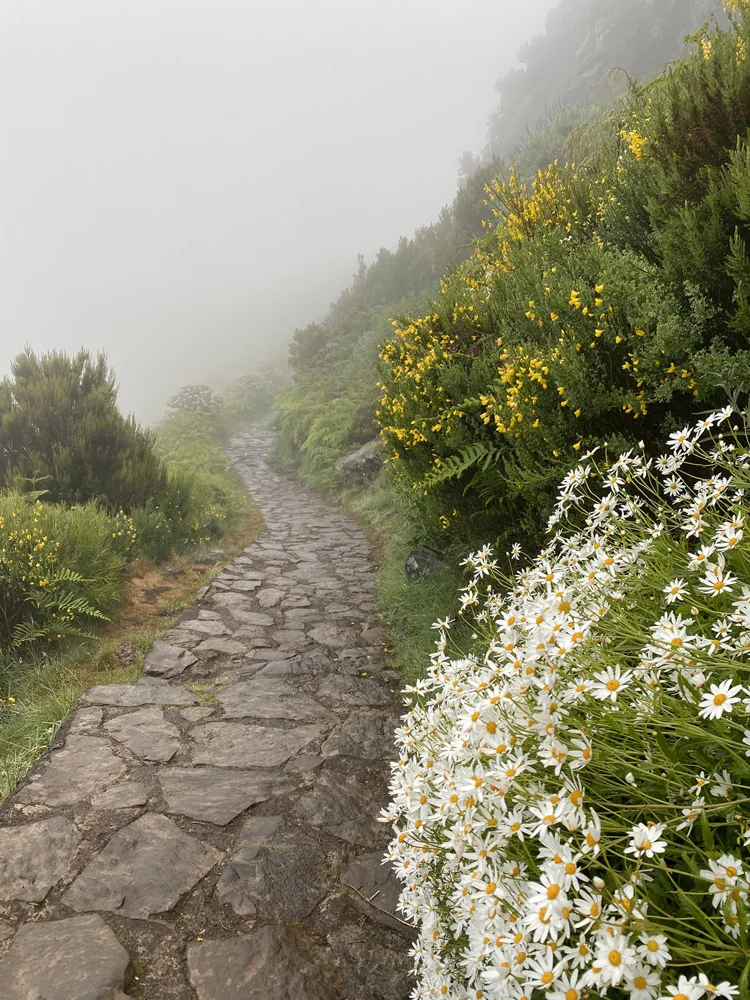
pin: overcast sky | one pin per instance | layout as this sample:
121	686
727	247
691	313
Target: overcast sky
182	182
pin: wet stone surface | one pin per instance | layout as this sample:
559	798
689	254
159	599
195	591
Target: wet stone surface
213	827
212	795
64	959
144	869
273	963
84	766
34	857
146	733
274	872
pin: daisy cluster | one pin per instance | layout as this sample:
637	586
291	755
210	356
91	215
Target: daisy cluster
570	809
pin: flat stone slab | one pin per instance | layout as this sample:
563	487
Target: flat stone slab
295	601
272	963
247	585
299	615
182	638
333	636
134	695
193	715
204	627
84	720
365	733
274	873
144	869
359	691
372	961
74	959
230	647
376	883
250	617
263	652
146	733
289	637
123	795
282	668
340	805
165	660
213	794
267	698
228	599
34	857
269	598
232	744
84	766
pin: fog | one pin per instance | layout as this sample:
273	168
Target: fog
182	183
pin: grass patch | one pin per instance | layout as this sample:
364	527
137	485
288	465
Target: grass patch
407	607
37	692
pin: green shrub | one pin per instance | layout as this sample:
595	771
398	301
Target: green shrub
60	428
204	497
59	568
608	303
193	438
252	396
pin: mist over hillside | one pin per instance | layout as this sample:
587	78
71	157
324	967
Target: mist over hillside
588	51
183	183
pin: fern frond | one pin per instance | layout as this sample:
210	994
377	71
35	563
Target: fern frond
480	455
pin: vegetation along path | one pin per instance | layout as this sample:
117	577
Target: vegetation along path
211	831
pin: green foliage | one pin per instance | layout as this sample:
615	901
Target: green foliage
60	427
608	303
59	568
408	608
193	438
195	399
329	409
251	397
204	498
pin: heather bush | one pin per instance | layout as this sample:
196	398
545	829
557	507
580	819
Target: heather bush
60	429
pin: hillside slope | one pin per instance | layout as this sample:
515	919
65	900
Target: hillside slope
575	61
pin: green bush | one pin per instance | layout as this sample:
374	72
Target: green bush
251	397
193	438
204	498
60	428
59	568
607	303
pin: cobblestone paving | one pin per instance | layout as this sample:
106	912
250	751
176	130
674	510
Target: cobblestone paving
210	832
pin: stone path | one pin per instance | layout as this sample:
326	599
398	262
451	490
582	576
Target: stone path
210	832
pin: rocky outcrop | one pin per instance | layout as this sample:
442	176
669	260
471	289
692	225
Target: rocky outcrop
362	465
420	563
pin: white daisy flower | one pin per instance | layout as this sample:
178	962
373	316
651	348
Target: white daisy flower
719	699
645	840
